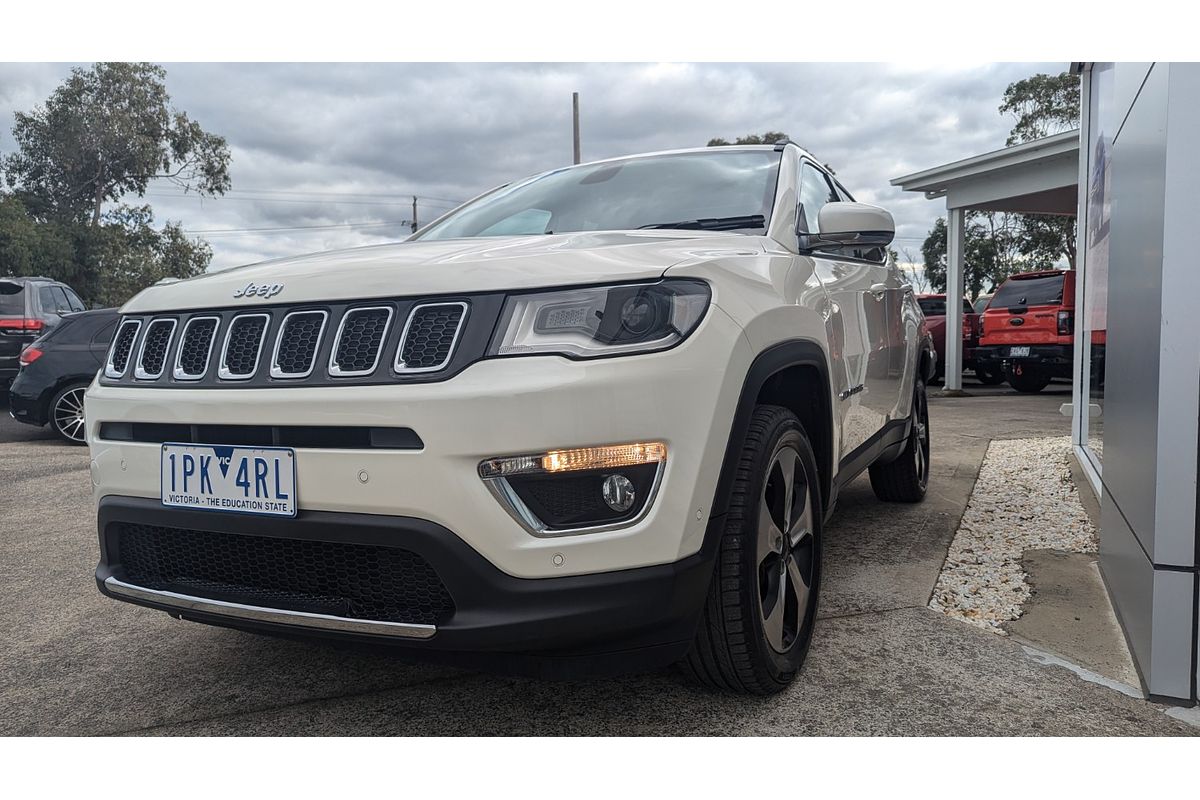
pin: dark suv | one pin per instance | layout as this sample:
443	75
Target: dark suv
28	308
56	370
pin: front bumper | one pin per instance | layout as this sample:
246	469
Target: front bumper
649	612
684	397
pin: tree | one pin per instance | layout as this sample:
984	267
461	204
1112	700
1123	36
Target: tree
770	137
104	133
107	132
1042	105
991	252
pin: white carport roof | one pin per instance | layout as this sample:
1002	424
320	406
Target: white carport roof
1039	177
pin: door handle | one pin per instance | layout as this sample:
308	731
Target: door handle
878	290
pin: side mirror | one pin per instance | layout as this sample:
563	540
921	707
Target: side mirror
850	225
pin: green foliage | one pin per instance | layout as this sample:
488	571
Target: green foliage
992	252
1045	239
107	132
770	137
1042	105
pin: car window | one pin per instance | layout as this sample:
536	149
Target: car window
73	300
967	307
48	301
1043	291
12	298
641	192
61	303
932	306
815	192
104	335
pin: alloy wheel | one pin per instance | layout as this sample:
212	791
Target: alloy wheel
921	438
68	414
786	549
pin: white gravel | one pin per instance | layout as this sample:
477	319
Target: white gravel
1023	500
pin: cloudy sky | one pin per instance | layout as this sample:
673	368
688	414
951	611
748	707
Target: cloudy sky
328	156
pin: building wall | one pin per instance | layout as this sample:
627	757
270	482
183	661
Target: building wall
1151	393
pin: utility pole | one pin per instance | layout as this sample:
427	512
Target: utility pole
575	118
414	219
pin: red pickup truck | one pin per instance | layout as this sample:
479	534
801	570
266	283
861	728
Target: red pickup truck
934	306
1029	330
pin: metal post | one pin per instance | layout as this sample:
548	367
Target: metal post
414	219
575	120
955	245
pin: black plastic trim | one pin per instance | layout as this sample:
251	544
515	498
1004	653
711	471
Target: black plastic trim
341	437
652	608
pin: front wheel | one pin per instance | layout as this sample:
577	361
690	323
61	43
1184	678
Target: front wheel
66	413
905	479
762	603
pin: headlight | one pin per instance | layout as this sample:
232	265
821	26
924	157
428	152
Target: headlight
601	320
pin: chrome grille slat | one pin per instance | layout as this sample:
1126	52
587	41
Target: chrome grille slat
430	336
245	336
297	344
195	348
152	356
360	339
122	348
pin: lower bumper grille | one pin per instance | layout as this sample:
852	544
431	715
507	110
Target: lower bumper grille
352	581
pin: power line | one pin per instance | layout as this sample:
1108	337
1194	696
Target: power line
184	195
344	193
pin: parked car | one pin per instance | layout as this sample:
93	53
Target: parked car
1028	329
56	369
934	308
599	416
29	307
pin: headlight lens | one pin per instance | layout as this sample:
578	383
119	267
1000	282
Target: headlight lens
602	320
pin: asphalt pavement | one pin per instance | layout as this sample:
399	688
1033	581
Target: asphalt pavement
74	662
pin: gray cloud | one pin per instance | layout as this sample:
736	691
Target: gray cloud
326	144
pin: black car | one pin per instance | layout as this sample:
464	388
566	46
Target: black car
28	308
56	370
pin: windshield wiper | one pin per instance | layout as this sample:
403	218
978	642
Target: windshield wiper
712	223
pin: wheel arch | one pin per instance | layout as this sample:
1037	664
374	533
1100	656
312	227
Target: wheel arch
793	374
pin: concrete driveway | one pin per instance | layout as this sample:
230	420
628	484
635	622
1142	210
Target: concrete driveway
73	662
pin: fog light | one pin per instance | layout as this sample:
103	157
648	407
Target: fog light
618	493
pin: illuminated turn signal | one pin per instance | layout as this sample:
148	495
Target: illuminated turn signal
582	458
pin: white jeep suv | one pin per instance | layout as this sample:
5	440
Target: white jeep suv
592	420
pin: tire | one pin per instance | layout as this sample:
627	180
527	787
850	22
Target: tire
905	479
758	619
1030	381
66	413
989	377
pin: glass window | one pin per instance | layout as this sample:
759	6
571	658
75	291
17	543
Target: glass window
1043	291
644	192
73	300
932	306
12	298
49	301
815	192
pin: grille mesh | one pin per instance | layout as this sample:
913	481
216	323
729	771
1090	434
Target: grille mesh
196	345
154	346
431	333
361	338
298	342
346	580
123	346
241	351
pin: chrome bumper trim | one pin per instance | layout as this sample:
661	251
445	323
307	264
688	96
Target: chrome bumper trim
303	619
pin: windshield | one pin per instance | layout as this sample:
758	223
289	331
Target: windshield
716	190
1043	291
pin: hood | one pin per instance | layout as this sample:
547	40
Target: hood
452	266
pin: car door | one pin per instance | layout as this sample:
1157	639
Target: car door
858	290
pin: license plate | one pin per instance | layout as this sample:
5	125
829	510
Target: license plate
248	480
1018	352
